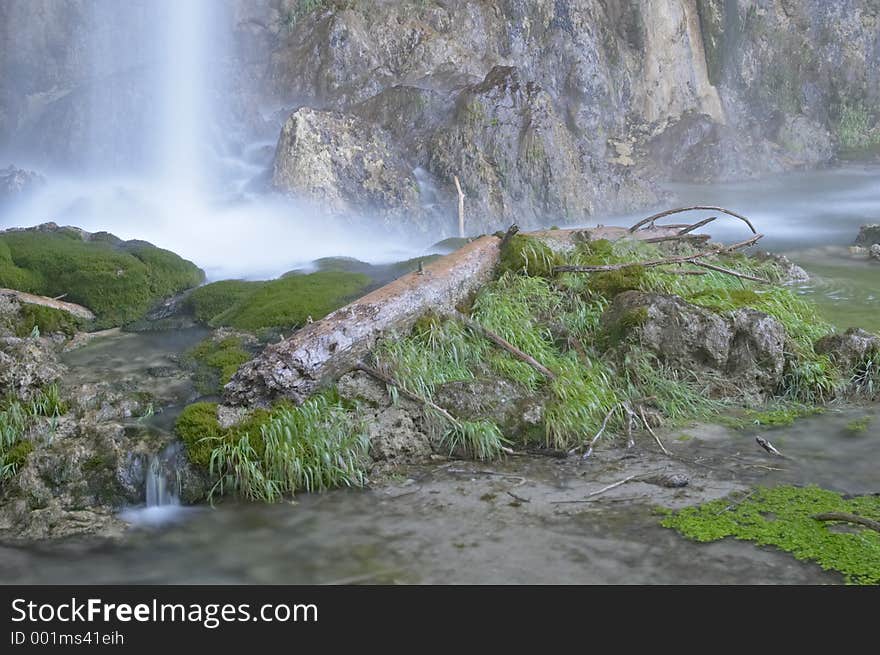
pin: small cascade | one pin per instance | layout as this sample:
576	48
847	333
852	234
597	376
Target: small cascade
162	489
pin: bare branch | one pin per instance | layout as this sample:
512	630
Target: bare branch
669	212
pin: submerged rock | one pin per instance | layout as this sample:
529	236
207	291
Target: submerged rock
740	353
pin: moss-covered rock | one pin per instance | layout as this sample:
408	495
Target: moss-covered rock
46	320
200	430
288	302
118	280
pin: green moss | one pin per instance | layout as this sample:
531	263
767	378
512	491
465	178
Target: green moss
781	417
782	517
197	427
526	255
46	320
284	303
859	425
857	129
118	281
611	283
623	328
216	362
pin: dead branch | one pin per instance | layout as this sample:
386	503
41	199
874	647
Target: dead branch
519	498
669	212
697	225
388	380
692	238
685	259
598	434
598	492
651	431
505	345
848	518
719	269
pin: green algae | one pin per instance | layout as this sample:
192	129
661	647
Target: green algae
782	517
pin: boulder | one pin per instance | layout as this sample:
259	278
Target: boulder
849	349
515	409
344	164
868	235
739	353
27	365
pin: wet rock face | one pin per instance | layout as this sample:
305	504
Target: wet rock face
868	235
850	349
344	164
739	353
27	365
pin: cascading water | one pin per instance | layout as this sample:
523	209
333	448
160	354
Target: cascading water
160	490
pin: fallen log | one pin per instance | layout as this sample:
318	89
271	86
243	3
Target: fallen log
54	303
326	349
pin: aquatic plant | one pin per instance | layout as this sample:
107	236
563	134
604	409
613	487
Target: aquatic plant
783	517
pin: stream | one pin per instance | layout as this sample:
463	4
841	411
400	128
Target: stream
514	521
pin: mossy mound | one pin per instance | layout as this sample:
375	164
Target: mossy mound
783	517
529	256
216	361
272	453
198	428
284	303
45	320
118	280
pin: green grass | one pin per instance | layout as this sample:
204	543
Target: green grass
284	303
522	254
215	362
17	416
781	517
856	128
316	446
118	281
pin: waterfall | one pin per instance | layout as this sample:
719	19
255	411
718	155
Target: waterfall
161	484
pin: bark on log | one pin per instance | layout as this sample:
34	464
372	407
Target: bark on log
30	299
326	349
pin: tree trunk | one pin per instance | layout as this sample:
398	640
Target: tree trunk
30	299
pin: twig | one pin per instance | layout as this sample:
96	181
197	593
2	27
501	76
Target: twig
848	518
519	498
698	225
669	212
587	498
737	503
372	372
651	431
598	434
744	276
679	237
505	345
658	262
